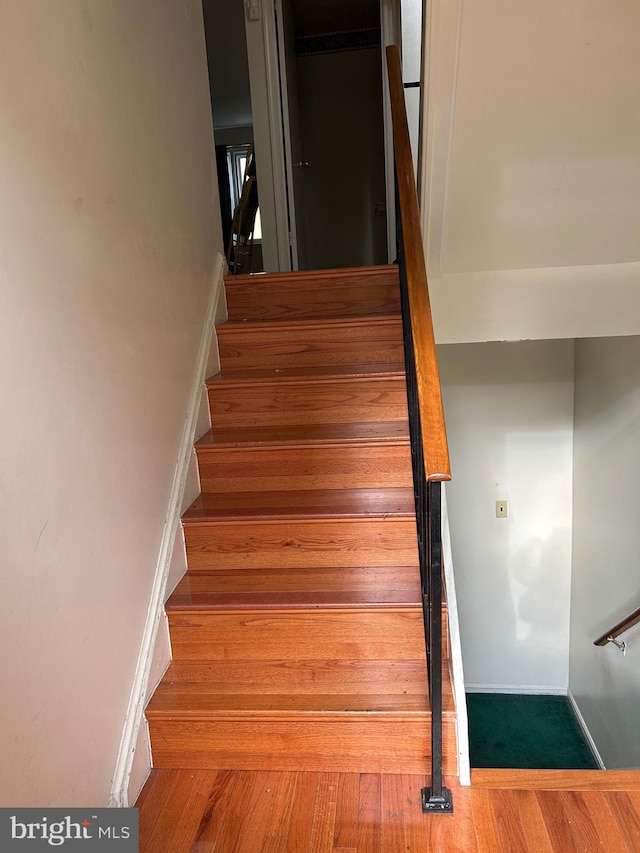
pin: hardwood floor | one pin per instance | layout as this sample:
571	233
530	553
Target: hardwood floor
201	811
297	636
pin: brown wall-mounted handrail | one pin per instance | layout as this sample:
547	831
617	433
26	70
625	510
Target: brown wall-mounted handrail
631	620
434	434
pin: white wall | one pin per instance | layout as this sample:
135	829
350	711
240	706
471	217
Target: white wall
606	544
544	161
533	135
508	408
563	302
530	169
412	26
108	232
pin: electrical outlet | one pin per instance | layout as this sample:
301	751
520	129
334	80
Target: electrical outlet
501	509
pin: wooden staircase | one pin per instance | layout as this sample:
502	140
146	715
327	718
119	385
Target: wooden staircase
297	632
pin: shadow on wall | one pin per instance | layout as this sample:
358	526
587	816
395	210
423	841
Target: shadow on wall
509	413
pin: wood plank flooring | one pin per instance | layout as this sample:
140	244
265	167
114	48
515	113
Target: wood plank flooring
201	811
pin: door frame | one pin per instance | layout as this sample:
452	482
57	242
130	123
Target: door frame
288	99
390	33
268	135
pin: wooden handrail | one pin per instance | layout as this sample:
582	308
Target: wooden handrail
429	452
434	433
631	620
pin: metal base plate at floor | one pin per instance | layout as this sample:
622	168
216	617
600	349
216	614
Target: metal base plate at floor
442	803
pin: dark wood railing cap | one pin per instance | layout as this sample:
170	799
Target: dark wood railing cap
631	620
434	433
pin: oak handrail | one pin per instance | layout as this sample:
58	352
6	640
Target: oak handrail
610	635
434	433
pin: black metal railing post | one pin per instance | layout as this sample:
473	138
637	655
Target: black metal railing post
437	797
428	499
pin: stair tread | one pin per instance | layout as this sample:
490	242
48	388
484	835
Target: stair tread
288	342
193	702
319	373
331	675
389	432
291	588
308	324
386	597
312	503
334	277
314	293
322	686
299	577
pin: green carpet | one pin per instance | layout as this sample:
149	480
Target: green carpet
528	732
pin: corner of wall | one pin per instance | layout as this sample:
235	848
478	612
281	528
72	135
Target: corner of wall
585	730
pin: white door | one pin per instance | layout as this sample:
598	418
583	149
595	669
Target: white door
266	84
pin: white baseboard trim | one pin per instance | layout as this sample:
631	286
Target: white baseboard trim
120	784
526	689
585	730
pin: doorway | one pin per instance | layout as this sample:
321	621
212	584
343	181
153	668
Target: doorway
231	115
305	90
339	83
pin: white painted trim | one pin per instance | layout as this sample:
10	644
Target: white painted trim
390	34
585	730
524	689
455	652
275	109
285	119
135	711
422	111
267	134
440	58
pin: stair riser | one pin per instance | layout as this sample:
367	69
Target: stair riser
328	295
302	579
292	544
334	635
300	678
329	402
375	745
296	636
319	346
339	467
